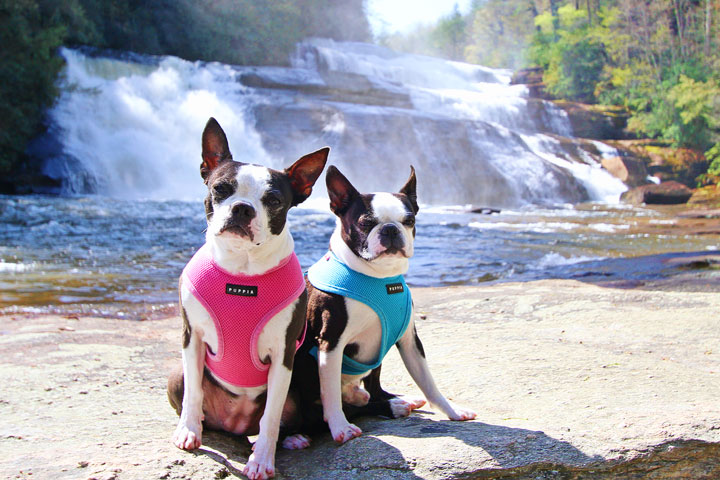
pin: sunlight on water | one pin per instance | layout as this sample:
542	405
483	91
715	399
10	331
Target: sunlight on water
129	127
103	256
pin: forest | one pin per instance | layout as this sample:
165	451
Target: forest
245	32
658	60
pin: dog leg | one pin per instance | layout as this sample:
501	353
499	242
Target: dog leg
413	356
330	367
296	442
261	464
397	405
188	434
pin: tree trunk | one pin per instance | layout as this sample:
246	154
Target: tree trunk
534	12
554	12
589	12
708	23
677	4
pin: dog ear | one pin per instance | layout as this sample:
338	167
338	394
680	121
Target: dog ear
304	173
215	148
340	190
410	189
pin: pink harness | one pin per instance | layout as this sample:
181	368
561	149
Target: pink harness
240	306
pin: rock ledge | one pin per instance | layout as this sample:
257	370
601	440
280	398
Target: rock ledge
570	381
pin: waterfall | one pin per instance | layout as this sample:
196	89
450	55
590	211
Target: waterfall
129	126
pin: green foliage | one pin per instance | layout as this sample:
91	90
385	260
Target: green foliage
570	52
660	60
447	39
257	32
713	156
449	36
28	68
232	31
498	33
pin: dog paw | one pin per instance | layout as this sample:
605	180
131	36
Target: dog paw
296	442
345	433
188	435
402	406
259	467
461	414
355	395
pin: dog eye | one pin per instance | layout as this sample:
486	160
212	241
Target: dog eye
273	200
366	222
409	222
222	190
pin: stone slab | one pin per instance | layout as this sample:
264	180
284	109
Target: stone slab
570	380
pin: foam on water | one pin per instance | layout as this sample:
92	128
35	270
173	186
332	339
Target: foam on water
129	127
135	128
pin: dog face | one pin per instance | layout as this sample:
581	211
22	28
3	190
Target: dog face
375	225
247	203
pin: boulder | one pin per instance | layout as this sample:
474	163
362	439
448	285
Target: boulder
666	193
708	196
527	76
629	169
664	161
532	78
595	121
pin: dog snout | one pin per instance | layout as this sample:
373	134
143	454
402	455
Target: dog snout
390	237
390	231
243	211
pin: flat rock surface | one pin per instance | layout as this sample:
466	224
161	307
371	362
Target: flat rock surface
570	380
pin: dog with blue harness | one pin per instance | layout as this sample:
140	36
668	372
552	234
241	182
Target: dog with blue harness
359	306
389	298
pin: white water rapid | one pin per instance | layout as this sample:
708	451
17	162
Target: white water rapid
129	126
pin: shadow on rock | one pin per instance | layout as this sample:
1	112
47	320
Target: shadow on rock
397	448
364	458
226	449
505	447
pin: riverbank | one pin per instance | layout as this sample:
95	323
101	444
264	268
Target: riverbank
569	379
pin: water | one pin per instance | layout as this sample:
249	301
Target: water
124	143
103	256
129	126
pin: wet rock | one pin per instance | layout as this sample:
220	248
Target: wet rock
629	169
666	193
329	85
665	162
527	76
595	121
705	197
532	78
398	137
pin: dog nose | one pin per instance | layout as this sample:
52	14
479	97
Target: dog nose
243	211
390	231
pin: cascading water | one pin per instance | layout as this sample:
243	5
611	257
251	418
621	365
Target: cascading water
131	126
128	128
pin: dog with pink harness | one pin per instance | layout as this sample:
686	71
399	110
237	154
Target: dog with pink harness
243	301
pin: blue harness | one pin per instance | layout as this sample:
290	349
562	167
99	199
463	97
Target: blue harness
389	297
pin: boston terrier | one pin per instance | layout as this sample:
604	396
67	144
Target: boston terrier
243	302
359	306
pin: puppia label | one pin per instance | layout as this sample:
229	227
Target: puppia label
241	290
394	288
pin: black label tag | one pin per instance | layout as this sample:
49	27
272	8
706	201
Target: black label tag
241	290
394	288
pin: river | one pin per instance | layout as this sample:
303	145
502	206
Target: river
123	146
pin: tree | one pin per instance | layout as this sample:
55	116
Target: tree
449	35
28	68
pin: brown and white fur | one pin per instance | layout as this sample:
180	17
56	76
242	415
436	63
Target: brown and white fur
374	236
246	209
